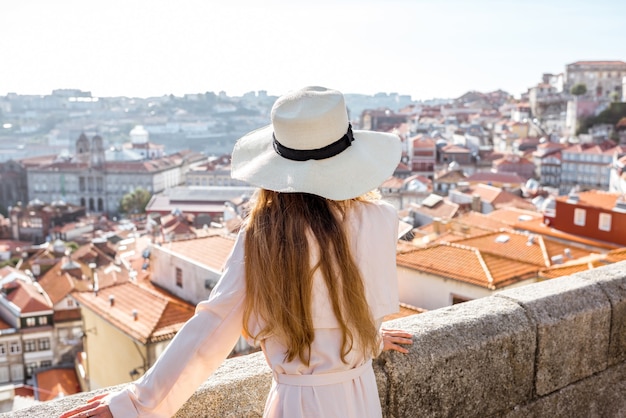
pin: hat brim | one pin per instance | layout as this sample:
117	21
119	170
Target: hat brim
360	168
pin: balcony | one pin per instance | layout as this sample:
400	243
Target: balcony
550	349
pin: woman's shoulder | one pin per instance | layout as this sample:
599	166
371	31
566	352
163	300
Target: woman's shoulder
376	212
378	206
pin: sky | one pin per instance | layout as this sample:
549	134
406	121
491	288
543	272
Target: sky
422	48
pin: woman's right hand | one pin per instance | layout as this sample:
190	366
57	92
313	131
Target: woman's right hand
95	407
393	337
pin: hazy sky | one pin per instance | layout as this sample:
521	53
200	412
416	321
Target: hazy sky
424	48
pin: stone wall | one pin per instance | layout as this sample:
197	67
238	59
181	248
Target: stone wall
550	349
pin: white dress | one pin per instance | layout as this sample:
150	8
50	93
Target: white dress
327	387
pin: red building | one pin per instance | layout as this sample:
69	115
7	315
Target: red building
422	155
593	214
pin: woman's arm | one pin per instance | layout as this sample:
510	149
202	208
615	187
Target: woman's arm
196	351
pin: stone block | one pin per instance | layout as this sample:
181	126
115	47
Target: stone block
238	389
598	396
471	360
612	280
573	319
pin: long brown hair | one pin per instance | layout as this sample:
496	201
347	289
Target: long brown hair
279	276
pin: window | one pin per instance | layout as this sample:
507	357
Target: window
459	299
579	216
3	349
31	322
179	277
17	372
29	346
15	348
44	344
30	367
604	222
4	374
45	363
43	320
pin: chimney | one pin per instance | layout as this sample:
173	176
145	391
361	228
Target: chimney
111	300
477	205
437	226
135	314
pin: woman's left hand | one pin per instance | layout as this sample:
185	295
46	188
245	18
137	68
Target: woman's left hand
393	337
94	407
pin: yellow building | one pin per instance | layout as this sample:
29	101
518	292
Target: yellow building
126	328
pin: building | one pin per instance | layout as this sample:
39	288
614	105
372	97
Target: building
214	172
600	77
514	164
547	160
431	208
617	183
382	120
97	179
402	192
127	327
13	184
588	166
446	273
190	269
592	214
505	180
422	155
206	203
36	220
485	199
28	311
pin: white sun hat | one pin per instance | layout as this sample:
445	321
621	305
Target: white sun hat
310	147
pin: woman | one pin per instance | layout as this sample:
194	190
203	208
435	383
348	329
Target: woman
309	279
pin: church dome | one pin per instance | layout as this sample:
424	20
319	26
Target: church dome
139	135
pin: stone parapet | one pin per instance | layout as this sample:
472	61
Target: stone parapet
550	349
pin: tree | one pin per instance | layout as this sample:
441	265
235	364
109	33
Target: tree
615	96
611	116
135	202
579	89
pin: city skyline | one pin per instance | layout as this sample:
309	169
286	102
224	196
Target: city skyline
424	50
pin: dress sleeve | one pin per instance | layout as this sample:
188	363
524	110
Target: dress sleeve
378	260
196	351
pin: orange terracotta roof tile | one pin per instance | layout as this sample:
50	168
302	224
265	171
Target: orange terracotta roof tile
514	216
467	265
422	141
569	269
27	297
4	324
615	256
454	149
595	198
111	275
404	311
156	319
517	246
454	176
443	210
486	192
489	177
54	383
447	236
210	251
481	220
67	315
56	285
